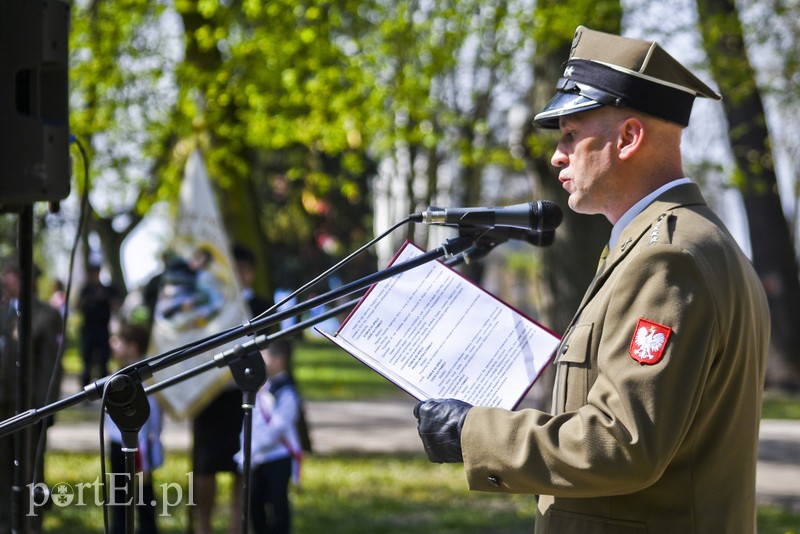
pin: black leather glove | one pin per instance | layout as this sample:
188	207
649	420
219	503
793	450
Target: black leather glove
439	427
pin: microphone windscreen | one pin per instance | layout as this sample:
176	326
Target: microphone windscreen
548	214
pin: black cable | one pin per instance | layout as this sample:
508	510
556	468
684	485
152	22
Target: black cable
103	459
55	382
333	269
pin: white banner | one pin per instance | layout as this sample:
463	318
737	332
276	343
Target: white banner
199	294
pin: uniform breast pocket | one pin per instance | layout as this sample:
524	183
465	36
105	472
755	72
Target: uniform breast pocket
573	367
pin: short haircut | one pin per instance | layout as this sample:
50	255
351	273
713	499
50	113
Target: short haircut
135	333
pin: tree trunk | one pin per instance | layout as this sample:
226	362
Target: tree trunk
240	207
772	247
111	243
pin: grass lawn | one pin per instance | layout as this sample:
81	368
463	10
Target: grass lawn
353	494
343	495
340	494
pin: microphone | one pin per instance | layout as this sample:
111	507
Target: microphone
540	216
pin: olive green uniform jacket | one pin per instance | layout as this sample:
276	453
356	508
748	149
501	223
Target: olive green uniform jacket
647	436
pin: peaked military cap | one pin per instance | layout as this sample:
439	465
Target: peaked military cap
609	70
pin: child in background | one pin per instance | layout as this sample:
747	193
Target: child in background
128	346
275	443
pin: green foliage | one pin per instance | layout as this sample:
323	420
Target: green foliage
295	103
777	520
556	21
280	109
8	236
722	34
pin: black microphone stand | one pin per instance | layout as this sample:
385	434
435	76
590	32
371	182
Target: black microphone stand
484	242
126	397
250	374
126	404
22	441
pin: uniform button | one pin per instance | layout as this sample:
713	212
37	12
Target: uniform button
494	481
564	349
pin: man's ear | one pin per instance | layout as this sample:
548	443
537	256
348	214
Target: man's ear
631	137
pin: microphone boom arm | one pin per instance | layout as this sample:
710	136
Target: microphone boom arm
144	369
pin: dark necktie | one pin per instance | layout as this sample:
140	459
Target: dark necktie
602	263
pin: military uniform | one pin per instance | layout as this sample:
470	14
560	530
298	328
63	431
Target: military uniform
666	444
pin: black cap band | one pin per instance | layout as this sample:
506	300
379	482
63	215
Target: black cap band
625	89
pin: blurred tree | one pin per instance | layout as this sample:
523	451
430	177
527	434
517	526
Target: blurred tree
207	115
773	251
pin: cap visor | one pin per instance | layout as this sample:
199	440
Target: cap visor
563	104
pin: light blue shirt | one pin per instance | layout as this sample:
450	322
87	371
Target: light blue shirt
637	208
274	432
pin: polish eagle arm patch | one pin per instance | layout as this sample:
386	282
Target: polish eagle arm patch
649	342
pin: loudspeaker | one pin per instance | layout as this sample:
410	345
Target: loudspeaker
34	101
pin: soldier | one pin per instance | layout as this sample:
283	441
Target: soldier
660	373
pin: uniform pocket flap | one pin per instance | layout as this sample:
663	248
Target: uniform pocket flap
575	347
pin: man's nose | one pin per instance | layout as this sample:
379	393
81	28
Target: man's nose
559	159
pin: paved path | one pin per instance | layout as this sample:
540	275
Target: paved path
362	426
778	472
388	426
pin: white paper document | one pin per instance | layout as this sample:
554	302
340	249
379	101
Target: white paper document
437	335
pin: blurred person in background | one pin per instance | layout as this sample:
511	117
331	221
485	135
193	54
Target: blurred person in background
97	302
